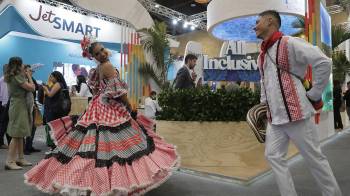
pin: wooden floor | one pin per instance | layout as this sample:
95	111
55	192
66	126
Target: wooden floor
222	148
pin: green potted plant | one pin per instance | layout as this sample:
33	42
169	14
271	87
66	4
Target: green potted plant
341	66
154	40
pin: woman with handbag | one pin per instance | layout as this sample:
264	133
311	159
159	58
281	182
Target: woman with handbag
52	103
20	86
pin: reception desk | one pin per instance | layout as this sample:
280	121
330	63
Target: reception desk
78	105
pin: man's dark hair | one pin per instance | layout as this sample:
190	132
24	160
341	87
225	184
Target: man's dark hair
274	14
190	57
153	93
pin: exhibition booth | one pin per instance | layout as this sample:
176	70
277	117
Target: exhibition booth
48	38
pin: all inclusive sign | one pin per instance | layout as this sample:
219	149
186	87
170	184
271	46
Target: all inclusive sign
55	22
235	65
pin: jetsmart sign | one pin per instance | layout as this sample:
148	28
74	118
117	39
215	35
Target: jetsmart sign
56	22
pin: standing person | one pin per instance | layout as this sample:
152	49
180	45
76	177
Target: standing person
52	96
337	101
20	86
28	147
52	105
152	106
4	97
282	61
76	70
347	99
184	78
82	89
106	151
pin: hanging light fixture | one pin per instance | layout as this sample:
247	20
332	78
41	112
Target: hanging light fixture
202	1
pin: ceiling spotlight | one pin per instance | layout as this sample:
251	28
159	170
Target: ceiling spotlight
157	5
175	21
193	28
185	25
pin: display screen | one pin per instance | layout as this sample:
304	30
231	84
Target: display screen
71	71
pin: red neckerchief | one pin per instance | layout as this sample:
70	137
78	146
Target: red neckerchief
267	44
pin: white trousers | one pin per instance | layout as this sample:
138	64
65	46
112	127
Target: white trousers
304	135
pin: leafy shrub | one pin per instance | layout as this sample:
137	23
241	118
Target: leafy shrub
205	105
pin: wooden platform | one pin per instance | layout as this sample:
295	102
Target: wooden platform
221	148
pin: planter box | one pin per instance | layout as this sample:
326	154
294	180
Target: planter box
221	148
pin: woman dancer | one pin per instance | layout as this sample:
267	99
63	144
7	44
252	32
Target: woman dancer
106	152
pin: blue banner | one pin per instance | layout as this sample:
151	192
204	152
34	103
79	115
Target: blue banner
231	75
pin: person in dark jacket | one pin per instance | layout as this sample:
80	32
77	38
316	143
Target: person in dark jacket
184	79
347	99
337	100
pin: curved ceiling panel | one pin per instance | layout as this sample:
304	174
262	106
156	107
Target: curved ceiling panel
242	28
235	19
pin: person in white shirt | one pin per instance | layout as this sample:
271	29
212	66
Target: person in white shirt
151	105
82	89
283	61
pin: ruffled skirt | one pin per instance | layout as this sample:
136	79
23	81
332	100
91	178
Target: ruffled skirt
125	159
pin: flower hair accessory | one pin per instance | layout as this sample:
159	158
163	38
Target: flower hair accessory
85	44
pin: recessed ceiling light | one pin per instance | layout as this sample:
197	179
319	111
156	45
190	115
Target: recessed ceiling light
157	5
175	21
185	25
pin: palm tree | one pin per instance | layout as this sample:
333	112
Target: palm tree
154	40
341	65
339	35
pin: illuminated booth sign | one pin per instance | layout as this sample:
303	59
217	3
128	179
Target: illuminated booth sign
64	24
49	35
235	65
58	23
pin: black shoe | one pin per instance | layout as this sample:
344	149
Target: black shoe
34	150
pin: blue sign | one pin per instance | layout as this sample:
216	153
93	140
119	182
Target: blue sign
231	75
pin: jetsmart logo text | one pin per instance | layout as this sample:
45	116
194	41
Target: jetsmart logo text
63	24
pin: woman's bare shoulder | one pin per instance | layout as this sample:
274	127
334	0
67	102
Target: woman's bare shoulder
108	69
